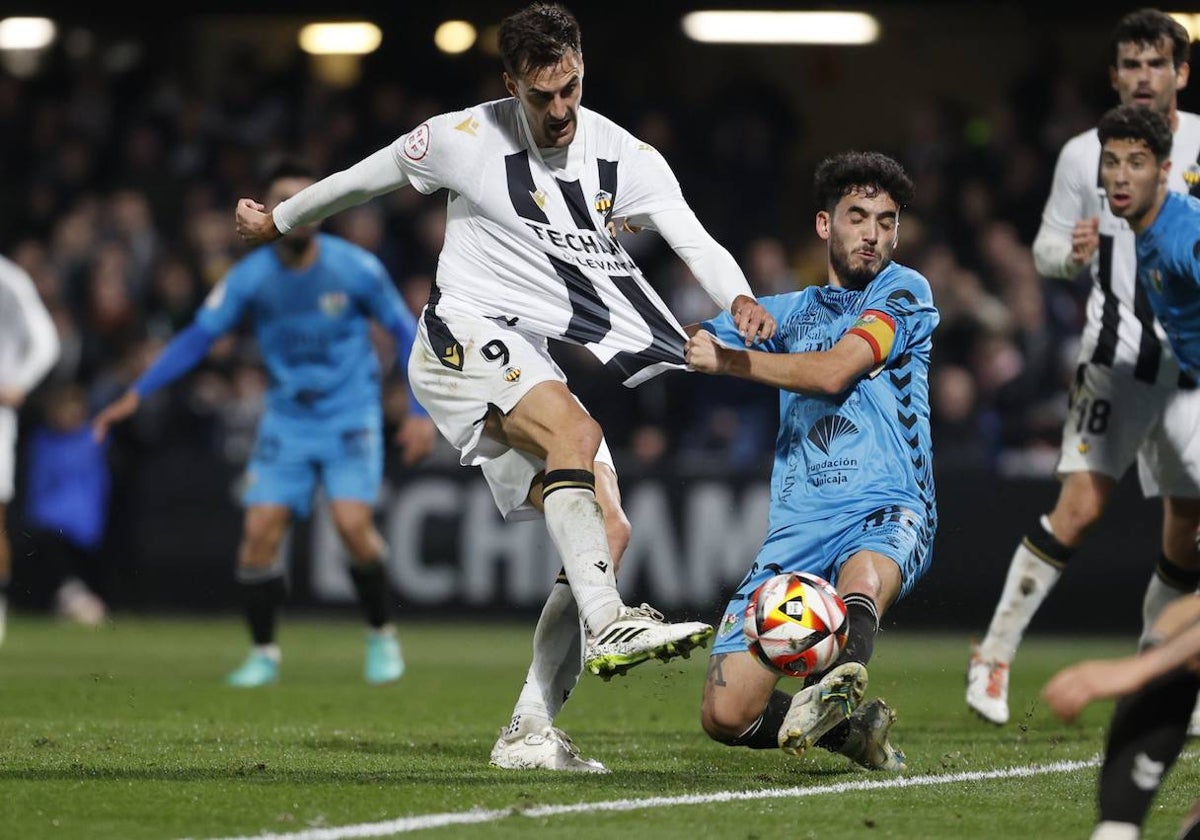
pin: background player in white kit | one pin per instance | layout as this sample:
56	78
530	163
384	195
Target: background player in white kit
1129	400
536	185
29	347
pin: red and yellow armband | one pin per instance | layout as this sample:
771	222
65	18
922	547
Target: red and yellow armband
878	329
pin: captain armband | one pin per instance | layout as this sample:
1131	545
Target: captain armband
878	329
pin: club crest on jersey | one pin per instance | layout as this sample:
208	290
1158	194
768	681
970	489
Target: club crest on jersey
512	374
1191	175
416	144
603	202
333	304
539	198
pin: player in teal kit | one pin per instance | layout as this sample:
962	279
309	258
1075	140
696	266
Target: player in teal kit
311	300
852	495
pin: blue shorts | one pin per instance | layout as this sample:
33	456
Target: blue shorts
821	547
343	453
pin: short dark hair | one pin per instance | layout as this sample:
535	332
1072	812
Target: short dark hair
288	166
1149	26
841	174
538	36
1134	122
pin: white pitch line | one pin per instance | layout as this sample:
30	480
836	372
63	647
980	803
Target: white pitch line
405	825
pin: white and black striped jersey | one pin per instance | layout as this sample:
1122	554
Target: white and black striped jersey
29	344
1121	331
526	238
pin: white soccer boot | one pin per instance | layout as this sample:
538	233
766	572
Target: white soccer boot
75	602
987	688
867	744
547	749
820	707
638	634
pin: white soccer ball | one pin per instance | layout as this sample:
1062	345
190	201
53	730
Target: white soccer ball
796	624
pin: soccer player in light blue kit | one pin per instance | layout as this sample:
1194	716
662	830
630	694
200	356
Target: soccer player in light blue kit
1149	726
311	300
852	493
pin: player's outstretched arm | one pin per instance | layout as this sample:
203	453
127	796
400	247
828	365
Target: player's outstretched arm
716	270
1070	690
372	176
123	407
183	353
828	372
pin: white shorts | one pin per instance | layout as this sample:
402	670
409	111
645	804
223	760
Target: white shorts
465	368
8	454
1114	420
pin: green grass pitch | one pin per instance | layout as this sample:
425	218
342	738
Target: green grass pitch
128	732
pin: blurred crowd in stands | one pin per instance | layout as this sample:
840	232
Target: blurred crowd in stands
118	198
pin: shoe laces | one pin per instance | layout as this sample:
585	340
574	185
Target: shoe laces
997	679
642	611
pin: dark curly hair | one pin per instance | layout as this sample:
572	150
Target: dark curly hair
1149	26
538	36
871	171
1133	122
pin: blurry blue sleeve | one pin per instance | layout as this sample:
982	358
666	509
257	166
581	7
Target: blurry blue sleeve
185	351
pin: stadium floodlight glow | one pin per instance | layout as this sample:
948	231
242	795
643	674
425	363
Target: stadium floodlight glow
727	27
26	33
454	36
1190	21
349	38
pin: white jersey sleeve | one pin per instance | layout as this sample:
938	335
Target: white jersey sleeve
711	263
29	343
435	154
1072	194
648	186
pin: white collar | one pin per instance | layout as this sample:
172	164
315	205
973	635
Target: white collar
576	152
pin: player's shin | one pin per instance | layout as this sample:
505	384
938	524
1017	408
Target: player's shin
763	733
576	525
1169	581
1036	567
556	666
863	627
374	593
263	592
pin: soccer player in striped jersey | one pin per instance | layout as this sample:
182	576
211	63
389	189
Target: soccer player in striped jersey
29	347
536	185
1130	400
852	491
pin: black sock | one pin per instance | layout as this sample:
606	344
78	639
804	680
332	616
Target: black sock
1146	735
262	599
763	734
860	645
863	618
1175	576
3	587
371	584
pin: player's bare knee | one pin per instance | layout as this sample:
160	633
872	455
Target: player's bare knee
722	722
578	442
